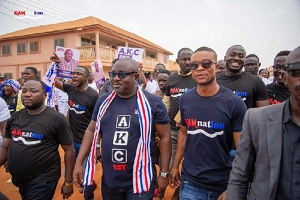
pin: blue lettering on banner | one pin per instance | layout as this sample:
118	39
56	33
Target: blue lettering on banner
128	53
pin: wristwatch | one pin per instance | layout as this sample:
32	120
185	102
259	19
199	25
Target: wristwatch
164	174
68	184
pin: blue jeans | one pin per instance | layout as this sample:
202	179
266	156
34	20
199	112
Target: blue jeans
192	192
88	190
38	191
126	193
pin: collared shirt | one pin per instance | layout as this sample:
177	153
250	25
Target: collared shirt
289	179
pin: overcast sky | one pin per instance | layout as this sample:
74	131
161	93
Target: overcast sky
263	27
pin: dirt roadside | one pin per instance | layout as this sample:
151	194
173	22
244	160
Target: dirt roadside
12	192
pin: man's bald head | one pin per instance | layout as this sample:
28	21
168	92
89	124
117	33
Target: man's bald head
294	56
130	63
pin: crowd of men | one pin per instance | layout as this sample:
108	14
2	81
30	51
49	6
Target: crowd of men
217	119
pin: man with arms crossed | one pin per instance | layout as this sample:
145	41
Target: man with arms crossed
206	136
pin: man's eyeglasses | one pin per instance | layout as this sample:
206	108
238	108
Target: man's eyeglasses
121	75
205	64
293	69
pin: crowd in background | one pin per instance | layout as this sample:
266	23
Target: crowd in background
202	117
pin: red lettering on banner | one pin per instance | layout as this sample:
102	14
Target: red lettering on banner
18	13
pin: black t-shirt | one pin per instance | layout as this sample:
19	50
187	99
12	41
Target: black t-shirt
277	94
176	86
33	154
120	132
11	103
81	104
248	86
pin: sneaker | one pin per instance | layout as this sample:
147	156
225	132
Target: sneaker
9	181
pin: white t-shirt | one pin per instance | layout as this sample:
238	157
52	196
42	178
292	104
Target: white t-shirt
61	101
94	86
4	112
152	86
266	81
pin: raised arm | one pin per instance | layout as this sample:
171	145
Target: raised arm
59	84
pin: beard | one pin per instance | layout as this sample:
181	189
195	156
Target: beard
34	105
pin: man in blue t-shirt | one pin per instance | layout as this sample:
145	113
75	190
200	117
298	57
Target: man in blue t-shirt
127	120
211	121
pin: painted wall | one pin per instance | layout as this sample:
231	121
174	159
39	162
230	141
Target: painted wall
16	63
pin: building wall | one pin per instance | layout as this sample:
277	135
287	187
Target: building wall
16	63
40	60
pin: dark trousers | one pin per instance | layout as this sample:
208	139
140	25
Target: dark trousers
38	191
88	190
126	193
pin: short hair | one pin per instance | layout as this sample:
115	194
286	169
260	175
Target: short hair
165	71
86	71
33	69
19	79
183	49
161	65
253	56
282	53
42	84
147	74
206	49
114	61
236	45
262	69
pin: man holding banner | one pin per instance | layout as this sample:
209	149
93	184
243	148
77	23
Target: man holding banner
128	138
82	100
67	62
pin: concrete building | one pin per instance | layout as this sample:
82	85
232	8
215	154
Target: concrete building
92	36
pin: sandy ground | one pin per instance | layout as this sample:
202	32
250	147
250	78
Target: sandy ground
10	191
